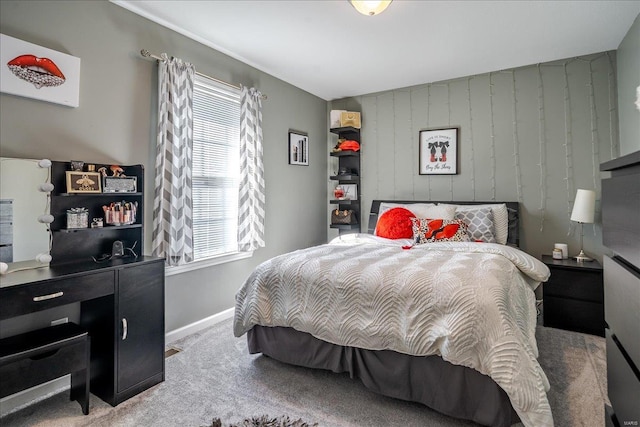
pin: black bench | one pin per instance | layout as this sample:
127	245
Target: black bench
36	357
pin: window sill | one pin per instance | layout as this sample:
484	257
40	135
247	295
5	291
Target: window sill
196	265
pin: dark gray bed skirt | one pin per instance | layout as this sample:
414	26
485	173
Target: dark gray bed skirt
453	390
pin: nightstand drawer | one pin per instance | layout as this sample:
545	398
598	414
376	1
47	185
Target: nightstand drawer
581	285
574	315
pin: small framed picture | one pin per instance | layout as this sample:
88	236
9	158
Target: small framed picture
119	184
438	151
84	182
350	191
298	148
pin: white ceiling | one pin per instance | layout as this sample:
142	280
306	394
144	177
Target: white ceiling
328	49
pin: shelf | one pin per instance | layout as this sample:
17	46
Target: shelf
118	194
346	129
345	226
344	202
346	153
106	227
345	178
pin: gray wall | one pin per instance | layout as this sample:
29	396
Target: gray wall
565	125
628	80
116	120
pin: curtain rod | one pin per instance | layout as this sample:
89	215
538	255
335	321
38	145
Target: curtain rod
147	54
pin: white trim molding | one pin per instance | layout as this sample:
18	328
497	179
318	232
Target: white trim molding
194	327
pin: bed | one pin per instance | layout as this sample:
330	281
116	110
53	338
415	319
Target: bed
450	324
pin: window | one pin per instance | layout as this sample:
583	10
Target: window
215	168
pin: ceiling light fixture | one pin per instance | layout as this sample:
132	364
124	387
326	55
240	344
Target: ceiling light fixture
370	8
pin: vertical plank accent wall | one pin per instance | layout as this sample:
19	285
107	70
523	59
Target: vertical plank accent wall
531	134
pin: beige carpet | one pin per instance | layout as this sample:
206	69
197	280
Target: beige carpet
215	377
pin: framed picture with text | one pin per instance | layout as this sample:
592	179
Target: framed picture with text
438	151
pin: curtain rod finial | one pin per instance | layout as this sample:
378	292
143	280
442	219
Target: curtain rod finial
145	53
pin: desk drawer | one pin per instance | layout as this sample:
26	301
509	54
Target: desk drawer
23	299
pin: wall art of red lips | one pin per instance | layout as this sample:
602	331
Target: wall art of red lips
39	71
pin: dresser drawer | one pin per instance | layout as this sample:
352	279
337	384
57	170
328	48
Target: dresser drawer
575	284
622	305
18	300
623	385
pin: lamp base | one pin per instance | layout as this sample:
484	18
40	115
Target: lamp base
582	257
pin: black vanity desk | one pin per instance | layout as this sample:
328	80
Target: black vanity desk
122	307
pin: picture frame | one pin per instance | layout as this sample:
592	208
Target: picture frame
350	191
119	184
39	73
84	182
298	148
438	151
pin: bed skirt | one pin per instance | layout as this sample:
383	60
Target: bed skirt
453	390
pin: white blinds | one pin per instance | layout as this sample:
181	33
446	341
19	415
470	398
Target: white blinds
216	166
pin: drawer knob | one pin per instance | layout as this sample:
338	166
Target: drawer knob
46	297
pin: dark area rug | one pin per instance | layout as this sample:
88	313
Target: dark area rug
265	421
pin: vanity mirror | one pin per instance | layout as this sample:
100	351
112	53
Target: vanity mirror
25	185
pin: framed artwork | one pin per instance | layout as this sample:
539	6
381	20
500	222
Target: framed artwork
438	151
37	72
119	184
84	182
298	148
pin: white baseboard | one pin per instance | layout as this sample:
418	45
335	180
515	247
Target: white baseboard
27	397
194	327
34	394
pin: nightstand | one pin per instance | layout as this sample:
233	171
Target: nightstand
573	298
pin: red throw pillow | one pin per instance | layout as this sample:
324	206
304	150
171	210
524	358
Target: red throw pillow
439	230
395	224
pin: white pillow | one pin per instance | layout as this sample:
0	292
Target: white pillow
422	210
500	218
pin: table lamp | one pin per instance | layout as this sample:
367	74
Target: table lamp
583	213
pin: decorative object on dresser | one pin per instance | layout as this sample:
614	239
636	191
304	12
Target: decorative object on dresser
573	296
621	234
583	212
347	177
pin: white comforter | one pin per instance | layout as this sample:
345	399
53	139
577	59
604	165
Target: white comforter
471	303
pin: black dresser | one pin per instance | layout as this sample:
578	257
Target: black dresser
621	234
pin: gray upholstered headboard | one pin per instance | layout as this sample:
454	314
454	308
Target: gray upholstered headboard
513	208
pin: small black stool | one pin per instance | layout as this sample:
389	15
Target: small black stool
35	357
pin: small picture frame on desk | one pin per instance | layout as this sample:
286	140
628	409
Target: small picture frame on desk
83	182
119	184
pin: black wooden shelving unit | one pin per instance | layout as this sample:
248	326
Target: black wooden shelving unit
351	161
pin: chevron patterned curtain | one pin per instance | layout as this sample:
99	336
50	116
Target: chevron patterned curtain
172	205
252	190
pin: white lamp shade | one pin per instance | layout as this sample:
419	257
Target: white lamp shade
370	7
584	206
